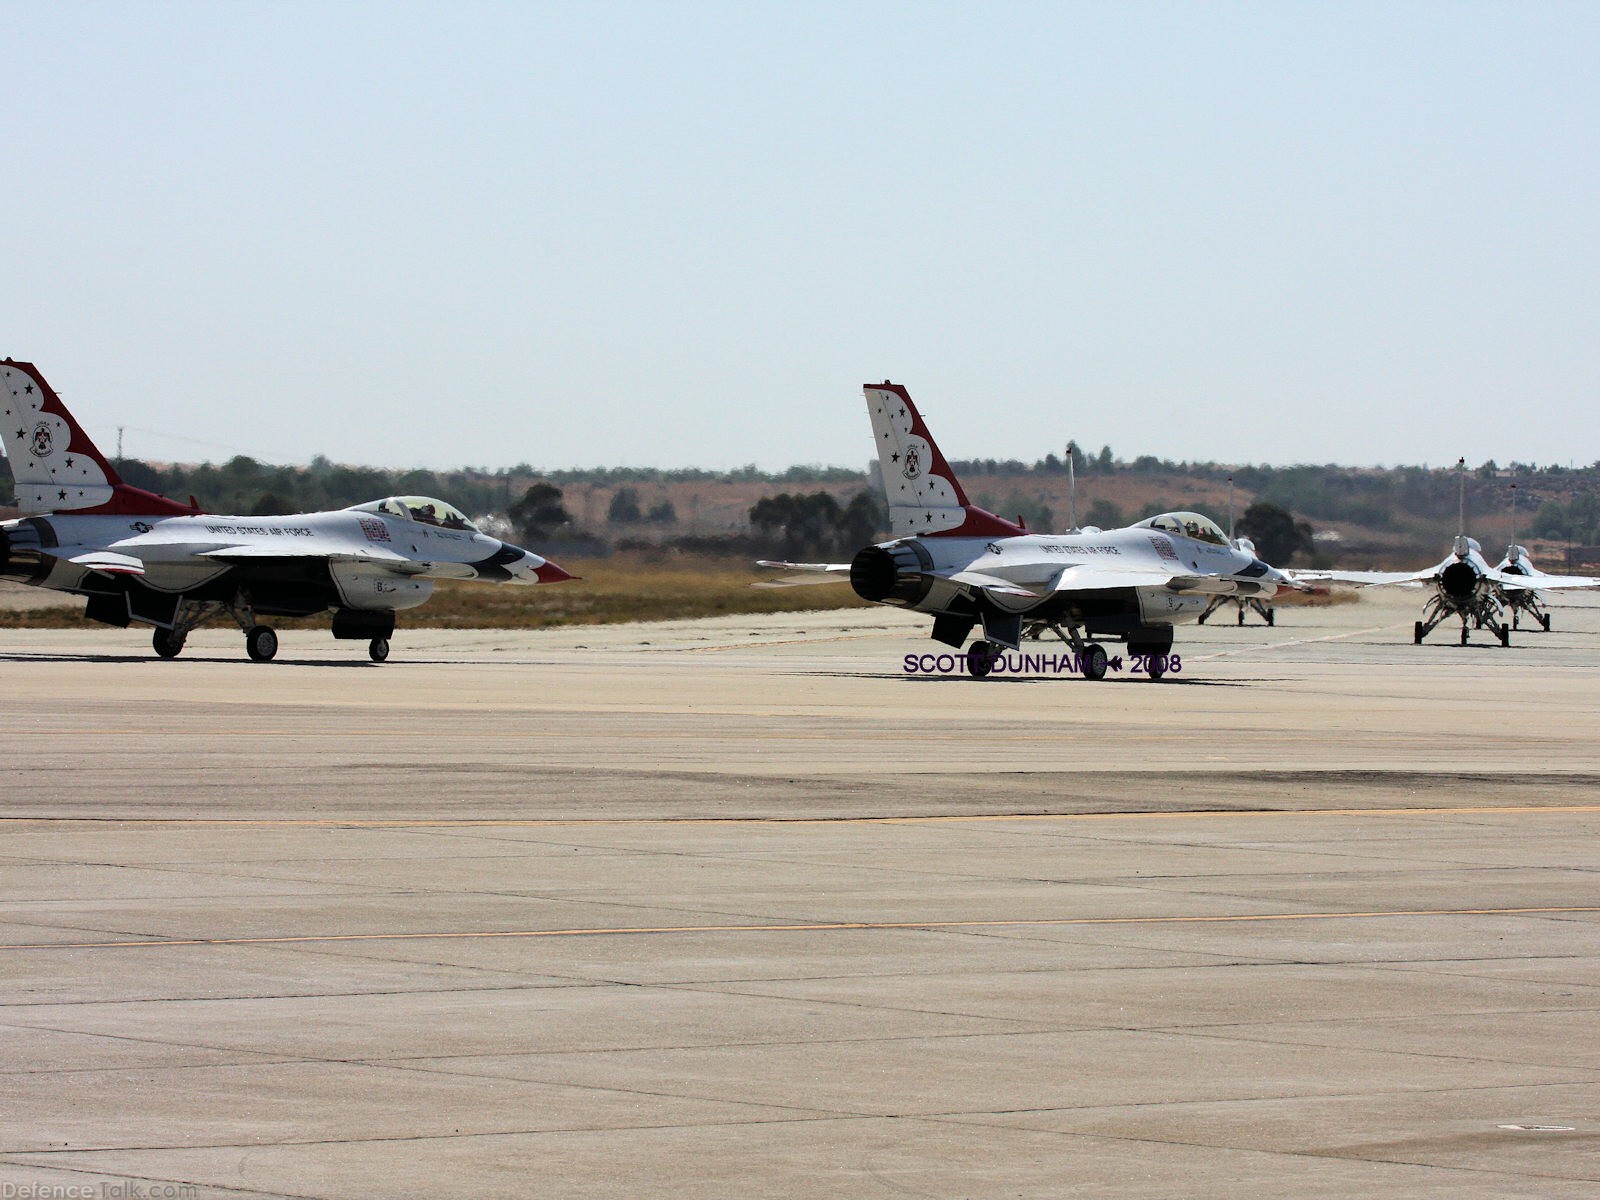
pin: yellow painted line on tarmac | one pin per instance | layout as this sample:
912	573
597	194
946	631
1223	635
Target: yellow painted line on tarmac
817	927
932	819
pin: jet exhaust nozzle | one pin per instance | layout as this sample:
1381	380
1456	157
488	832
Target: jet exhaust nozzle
894	574
1459	581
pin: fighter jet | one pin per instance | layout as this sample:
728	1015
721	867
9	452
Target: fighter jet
968	567
1526	599
139	557
1516	562
1464	584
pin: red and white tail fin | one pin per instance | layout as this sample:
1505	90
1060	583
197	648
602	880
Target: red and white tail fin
56	466
924	495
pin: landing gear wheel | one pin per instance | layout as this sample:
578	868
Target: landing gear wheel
1272	616
1155	665
167	643
261	643
1505	635
1240	621
1544	619
378	648
1094	661
980	659
1416	634
1463	633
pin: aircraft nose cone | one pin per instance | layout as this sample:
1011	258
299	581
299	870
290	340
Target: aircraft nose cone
548	572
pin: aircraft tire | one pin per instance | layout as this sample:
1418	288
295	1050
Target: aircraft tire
261	643
1272	616
1416	634
1155	666
1240	621
1545	621
1463	634
1505	635
378	649
167	643
1094	661
980	659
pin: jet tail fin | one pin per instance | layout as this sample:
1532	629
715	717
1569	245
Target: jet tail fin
57	467
924	495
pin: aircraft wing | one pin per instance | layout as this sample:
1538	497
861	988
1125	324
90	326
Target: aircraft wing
398	563
1094	578
806	573
1367	578
989	583
1538	583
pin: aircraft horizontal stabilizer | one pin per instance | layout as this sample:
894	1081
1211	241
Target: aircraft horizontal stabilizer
809	573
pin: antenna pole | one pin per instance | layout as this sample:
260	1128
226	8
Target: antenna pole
1230	508
1513	514
1072	492
1461	496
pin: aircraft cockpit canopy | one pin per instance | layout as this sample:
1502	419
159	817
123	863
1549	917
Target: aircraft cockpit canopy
422	509
1188	524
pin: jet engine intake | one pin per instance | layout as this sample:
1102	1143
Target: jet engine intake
894	574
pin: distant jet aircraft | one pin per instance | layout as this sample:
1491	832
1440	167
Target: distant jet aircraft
967	566
1516	562
140	557
1466	586
1525	599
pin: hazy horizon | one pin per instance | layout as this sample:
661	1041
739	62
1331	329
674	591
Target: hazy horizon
672	234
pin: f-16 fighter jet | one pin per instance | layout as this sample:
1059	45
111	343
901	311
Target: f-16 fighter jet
1516	562
1525	599
139	557
1466	586
969	567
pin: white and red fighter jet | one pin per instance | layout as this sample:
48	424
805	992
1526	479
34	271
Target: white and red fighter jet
968	567
139	557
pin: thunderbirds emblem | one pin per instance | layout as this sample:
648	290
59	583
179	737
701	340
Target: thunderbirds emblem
913	466
43	441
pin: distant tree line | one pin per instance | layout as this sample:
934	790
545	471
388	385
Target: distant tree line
1558	502
817	526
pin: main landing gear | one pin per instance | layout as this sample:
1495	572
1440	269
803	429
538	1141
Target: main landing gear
1481	615
261	643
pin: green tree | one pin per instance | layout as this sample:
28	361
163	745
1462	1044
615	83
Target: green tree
539	514
624	508
1277	535
1104	514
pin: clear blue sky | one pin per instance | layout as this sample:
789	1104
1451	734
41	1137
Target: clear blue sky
685	234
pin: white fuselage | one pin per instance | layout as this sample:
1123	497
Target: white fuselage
376	561
1042	566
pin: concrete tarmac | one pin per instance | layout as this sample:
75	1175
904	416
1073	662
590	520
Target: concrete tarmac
744	907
